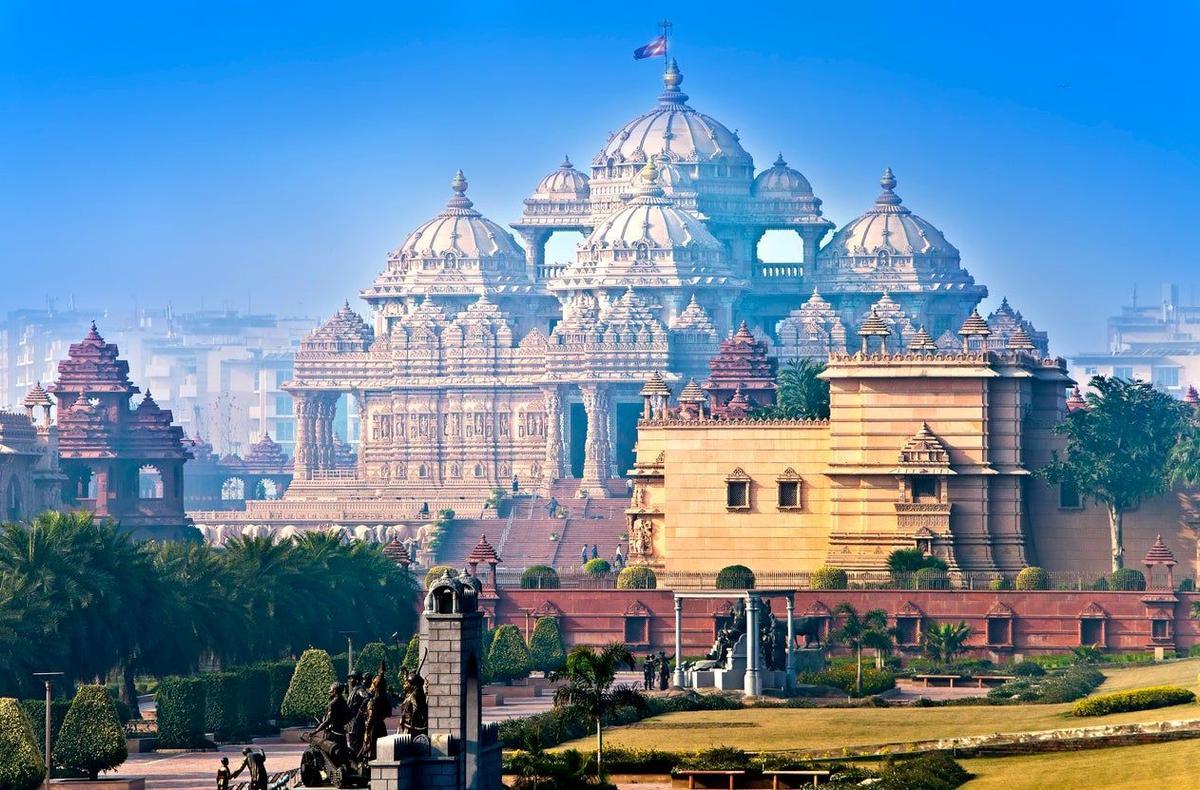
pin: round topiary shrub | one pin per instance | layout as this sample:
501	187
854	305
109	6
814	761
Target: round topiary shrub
636	577
1100	584
597	567
539	577
179	711
412	654
1126	579
1028	669
735	577
546	649
1000	583
435	573
509	658
1033	578
21	766
91	739
308	692
828	578
370	658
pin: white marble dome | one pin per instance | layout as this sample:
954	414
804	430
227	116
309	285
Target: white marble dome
651	219
888	229
460	231
563	183
781	181
675	130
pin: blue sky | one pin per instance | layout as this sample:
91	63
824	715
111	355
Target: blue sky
275	152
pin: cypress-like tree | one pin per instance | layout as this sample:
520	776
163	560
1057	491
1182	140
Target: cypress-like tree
546	647
21	766
91	739
509	657
308	693
412	655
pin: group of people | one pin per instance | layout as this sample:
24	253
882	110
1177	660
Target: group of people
254	761
656	672
594	554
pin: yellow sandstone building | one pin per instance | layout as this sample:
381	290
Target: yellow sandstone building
924	448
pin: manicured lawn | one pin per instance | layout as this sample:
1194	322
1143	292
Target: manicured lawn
781	729
1153	765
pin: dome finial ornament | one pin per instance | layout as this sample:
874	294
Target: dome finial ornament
672	79
779	160
459	183
888	197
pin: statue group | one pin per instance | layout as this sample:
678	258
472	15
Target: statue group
772	635
342	745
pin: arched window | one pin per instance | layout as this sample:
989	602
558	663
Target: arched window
233	489
266	489
150	483
13	500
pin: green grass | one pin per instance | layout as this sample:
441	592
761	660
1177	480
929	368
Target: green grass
1171	764
783	729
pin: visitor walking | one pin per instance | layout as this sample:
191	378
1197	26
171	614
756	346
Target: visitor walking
619	558
595	552
583	557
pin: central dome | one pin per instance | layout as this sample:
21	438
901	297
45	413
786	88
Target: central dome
673	130
651	219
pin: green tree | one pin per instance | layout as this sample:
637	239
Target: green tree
829	578
597	567
368	659
591	690
637	577
308	692
1120	449
21	766
946	641
508	658
91	739
735	577
800	393
1033	578
539	577
546	647
857	631
1185	457
412	653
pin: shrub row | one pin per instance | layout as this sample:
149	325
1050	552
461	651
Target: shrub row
180	712
932	771
843	676
1137	699
1067	685
556	726
233	705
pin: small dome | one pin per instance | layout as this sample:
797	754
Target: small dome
37	397
565	183
974	325
460	231
651	218
781	181
888	229
675	130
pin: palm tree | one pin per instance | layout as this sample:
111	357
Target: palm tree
869	630
799	393
944	642
1185	457
590	688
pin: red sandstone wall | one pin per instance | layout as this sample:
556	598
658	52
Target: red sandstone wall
1043	622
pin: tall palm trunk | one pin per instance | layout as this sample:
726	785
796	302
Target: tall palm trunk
1116	523
858	669
599	748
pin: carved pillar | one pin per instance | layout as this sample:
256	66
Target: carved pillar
597	452
306	406
535	249
553	405
323	431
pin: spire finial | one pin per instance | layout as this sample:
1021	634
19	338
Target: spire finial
888	197
779	160
672	76
459	183
566	162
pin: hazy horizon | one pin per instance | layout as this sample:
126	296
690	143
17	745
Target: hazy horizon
276	153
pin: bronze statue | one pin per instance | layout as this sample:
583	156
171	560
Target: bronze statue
223	775
378	708
648	673
414	709
256	763
357	702
664	671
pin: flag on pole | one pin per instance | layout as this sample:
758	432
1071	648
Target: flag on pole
656	48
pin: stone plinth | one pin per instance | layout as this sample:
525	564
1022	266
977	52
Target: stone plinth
103	783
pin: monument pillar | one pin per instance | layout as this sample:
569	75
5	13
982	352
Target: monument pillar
553	405
752	687
597	461
535	249
678	679
791	639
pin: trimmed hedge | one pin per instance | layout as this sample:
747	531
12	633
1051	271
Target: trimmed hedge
1127	579
546	649
637	577
539	577
21	766
308	692
369	659
280	677
1066	685
221	705
735	577
828	578
843	676
597	567
1137	699
508	658
91	739
254	706
1033	578
179	704
35	711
